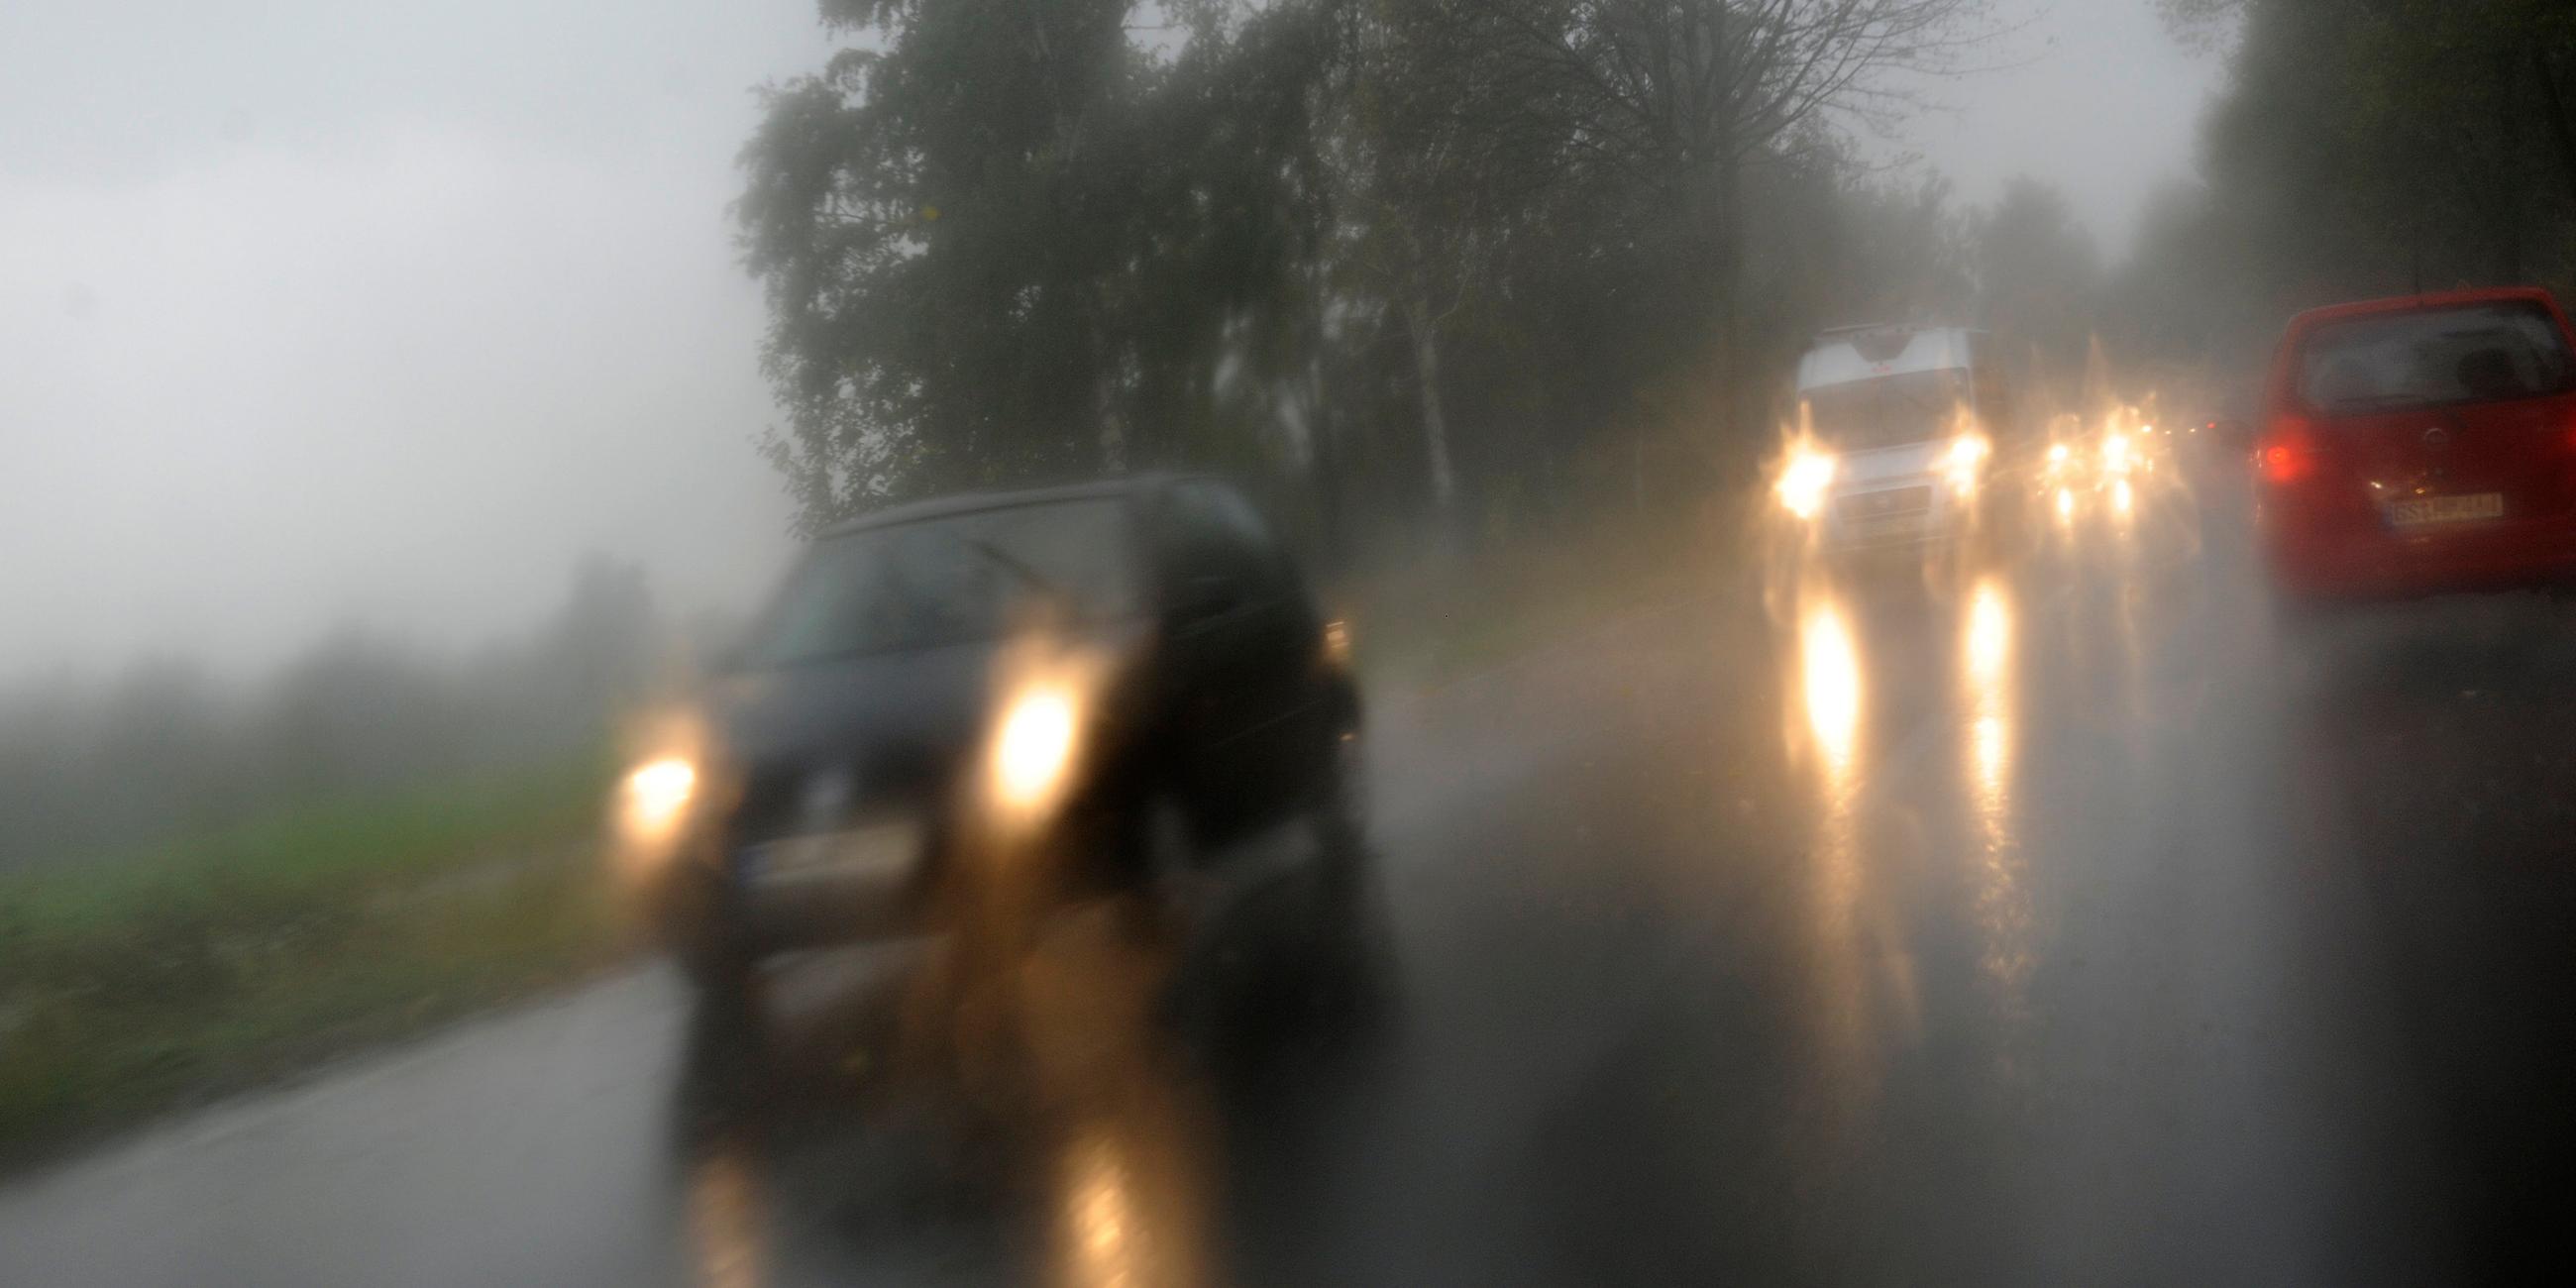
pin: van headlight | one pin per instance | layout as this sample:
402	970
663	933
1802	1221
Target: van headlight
1803	482
1965	462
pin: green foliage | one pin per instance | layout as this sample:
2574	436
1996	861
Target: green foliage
2367	147
1010	243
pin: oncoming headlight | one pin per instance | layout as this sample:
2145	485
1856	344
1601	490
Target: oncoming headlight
1965	460
1803	482
1033	749
656	798
2115	453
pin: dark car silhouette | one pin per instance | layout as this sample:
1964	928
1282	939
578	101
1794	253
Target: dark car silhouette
1083	690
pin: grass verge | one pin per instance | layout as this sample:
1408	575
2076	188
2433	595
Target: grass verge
217	962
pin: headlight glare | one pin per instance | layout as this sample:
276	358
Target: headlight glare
2115	453
1033	749
1966	460
1803	482
657	797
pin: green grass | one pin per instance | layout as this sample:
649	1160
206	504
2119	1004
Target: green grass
215	962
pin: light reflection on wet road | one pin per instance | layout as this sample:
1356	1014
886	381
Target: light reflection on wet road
2003	909
1831	692
2055	928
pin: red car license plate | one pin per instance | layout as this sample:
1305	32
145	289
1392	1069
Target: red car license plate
2425	511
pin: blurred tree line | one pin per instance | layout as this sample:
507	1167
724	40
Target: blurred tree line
167	748
1463	265
2361	148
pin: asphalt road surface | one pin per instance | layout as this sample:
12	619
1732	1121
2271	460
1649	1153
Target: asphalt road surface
2061	926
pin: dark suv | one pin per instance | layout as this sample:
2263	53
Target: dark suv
1101	684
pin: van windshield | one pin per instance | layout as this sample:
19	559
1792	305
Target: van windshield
1886	411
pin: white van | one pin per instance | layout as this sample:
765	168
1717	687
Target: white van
1899	429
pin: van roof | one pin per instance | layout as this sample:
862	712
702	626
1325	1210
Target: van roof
1841	355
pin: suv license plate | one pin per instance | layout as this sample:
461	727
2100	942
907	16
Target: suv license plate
883	850
2426	510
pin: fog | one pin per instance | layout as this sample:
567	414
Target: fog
1566	760
2092	97
315	314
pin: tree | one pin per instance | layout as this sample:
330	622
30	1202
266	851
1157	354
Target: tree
1008	243
2391	145
1437	173
2361	147
1680	96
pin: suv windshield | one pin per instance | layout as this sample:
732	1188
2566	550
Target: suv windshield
2479	353
1914	407
947	581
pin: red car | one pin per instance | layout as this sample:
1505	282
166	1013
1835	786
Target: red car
2418	445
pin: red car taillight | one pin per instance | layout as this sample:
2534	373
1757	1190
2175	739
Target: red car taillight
2288	453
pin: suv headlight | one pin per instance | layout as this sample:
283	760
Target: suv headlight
653	806
1033	749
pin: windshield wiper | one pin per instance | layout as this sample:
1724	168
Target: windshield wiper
1037	582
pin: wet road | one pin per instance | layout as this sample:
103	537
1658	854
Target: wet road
2061	927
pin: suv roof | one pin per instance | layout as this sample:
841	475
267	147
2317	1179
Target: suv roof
968	502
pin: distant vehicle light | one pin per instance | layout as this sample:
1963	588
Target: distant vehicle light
2057	453
1337	643
2115	453
1803	482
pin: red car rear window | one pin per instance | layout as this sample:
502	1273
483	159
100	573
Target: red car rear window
2465	354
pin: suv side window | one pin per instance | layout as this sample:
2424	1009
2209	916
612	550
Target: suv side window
1217	535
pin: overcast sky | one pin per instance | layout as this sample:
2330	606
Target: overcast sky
2094	98
316	311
